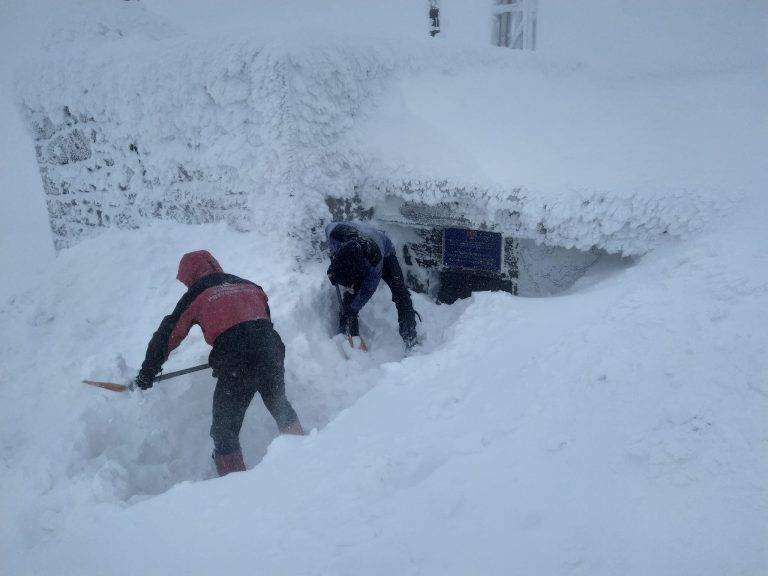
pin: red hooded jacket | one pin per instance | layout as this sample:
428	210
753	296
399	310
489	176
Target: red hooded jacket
214	300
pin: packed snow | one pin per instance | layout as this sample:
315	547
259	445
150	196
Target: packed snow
618	428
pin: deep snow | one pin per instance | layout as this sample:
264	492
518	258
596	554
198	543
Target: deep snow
619	428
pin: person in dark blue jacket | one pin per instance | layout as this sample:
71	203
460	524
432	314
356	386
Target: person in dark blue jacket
361	256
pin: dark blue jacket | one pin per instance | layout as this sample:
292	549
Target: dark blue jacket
373	275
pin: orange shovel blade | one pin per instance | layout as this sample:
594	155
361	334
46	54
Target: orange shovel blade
107	385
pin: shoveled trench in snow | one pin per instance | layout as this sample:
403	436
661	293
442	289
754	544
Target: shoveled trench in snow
101	319
539	415
125	447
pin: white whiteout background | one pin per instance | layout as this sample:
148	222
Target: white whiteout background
619	428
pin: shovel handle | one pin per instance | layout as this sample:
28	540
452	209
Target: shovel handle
114	387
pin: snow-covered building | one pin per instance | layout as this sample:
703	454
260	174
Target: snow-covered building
418	134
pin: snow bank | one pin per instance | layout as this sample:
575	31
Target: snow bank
617	428
78	313
587	432
65	443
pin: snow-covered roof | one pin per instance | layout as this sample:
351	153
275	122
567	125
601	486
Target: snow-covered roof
258	131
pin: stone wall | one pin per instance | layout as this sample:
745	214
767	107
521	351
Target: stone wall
92	181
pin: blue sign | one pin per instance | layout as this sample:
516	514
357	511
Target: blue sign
472	249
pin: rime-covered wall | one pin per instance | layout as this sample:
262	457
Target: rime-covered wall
255	134
94	181
192	134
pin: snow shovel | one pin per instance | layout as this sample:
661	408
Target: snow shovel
114	387
351	339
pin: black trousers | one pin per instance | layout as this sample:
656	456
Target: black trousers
249	360
392	274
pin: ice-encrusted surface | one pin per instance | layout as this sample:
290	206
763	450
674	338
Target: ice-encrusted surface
629	223
258	131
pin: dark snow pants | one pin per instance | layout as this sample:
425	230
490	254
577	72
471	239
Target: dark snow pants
250	360
392	274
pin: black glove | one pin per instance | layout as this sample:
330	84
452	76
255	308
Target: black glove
348	323
407	326
408	332
144	381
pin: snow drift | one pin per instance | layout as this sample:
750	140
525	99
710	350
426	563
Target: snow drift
555	435
617	428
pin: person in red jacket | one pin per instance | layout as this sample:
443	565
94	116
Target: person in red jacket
247	354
